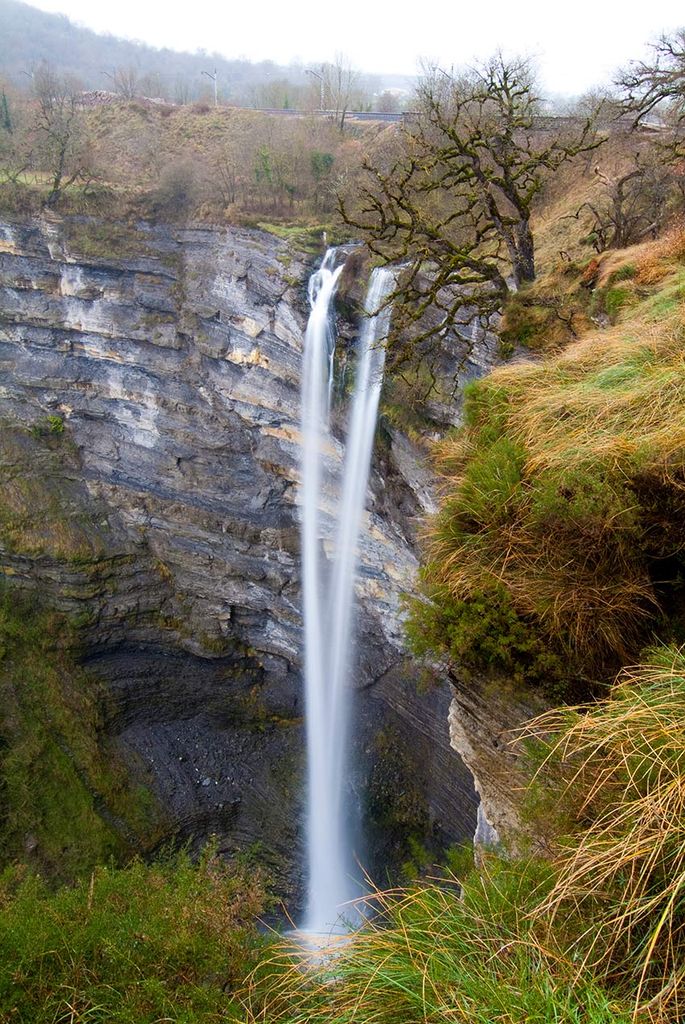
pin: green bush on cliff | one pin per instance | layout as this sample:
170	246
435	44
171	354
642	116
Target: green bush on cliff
557	489
483	633
66	804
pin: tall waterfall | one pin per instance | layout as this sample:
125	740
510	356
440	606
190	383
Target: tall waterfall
329	595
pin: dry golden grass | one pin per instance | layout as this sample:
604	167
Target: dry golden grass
626	872
615	394
556	227
548	487
658	259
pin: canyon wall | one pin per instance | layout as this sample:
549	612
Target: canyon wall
149	409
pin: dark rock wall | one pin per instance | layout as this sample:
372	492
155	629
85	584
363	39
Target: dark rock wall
173	360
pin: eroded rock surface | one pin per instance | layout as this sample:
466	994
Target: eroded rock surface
159	371
484	716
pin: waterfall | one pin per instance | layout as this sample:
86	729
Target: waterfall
328	598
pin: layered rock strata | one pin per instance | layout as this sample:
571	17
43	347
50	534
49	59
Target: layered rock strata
149	390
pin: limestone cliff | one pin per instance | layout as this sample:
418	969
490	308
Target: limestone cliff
149	403
483	718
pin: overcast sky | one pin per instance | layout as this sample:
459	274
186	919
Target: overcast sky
577	43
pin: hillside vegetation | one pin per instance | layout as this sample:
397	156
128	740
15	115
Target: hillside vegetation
171	941
555	562
558	552
132	159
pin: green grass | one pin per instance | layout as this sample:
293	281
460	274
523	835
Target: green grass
305	235
138	945
94	239
594	934
67	802
437	953
557	553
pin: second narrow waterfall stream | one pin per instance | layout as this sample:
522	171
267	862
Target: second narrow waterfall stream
328	591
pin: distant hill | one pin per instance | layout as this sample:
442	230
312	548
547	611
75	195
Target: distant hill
29	36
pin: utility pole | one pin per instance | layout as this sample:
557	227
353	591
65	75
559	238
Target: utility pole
321	80
214	78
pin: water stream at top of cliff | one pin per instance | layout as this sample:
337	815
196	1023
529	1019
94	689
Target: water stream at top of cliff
328	591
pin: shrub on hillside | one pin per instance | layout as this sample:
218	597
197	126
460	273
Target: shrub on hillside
169	941
560	531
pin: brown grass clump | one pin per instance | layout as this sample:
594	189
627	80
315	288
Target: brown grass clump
625	874
566	489
659	258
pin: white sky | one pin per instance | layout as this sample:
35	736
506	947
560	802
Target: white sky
577	43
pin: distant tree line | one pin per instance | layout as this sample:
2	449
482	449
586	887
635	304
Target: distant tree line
167	161
29	38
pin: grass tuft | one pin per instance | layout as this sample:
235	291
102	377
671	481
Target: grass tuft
625	873
456	951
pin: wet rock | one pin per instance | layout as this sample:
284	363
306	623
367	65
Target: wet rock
174	364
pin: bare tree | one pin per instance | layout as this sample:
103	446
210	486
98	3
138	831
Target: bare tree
340	79
632	204
182	90
153	84
125	81
456	203
226	171
60	143
659	84
388	102
15	149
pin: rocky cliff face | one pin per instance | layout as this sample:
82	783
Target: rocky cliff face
149	396
483	718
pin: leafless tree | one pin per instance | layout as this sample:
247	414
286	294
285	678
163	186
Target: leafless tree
228	164
632	204
387	102
60	146
455	204
125	81
15	149
340	80
182	90
658	84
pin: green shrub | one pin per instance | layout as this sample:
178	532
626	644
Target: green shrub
138	945
50	425
62	785
483	633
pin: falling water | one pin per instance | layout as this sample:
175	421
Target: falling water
328	599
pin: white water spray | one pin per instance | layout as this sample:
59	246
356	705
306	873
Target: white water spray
328	604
